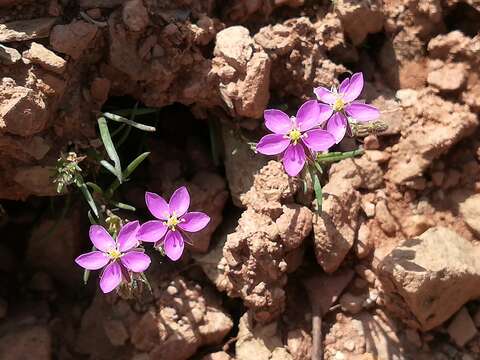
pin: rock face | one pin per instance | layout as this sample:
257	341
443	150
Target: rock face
428	278
29	342
433	126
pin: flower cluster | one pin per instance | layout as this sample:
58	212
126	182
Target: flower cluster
317	126
123	256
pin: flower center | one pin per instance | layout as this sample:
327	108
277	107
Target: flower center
295	135
172	222
338	105
114	254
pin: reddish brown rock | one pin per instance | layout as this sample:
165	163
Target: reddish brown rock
39	54
24	30
135	15
74	38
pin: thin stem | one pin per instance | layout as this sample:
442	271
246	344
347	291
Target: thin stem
317	346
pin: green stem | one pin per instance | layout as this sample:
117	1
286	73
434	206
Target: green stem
337	156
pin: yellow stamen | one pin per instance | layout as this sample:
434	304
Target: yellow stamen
172	222
114	254
338	105
295	135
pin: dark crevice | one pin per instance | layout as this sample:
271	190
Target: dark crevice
465	18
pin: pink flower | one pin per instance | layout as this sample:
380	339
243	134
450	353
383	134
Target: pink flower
173	219
292	135
342	103
117	257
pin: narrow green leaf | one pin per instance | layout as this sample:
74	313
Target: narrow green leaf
109	167
337	156
123	206
94	187
129	122
124	137
88	197
107	142
128	171
139	111
91	218
317	187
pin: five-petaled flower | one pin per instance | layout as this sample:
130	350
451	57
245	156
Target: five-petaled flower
118	257
293	135
342	104
173	220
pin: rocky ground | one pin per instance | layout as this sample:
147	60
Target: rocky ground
392	264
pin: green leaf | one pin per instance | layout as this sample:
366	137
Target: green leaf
317	187
88	197
140	111
129	122
107	142
128	171
337	156
123	206
94	187
109	167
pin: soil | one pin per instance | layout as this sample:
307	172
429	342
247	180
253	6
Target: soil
390	267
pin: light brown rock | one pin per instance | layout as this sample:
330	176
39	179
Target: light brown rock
74	38
335	228
428	278
433	126
135	15
39	54
9	56
447	77
259	341
24	30
294	225
360	18
243	69
470	211
462	329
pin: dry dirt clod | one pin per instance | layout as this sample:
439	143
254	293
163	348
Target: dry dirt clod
428	278
469	209
135	15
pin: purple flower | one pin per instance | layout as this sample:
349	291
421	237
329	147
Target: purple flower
173	220
118	257
342	103
291	135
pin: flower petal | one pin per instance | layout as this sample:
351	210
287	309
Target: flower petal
102	240
355	87
157	205
343	86
180	201
324	95
362	112
308	116
277	121
337	126
173	245
272	144
127	237
318	140
136	261
294	159
93	260
194	221
151	231
111	277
